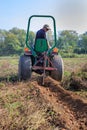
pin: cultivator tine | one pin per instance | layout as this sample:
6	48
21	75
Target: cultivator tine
44	68
43	79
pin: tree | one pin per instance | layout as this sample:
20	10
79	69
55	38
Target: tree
13	41
84	42
20	34
67	40
11	44
31	38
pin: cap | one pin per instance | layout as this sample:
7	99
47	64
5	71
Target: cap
46	26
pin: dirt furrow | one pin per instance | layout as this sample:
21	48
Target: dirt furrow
71	109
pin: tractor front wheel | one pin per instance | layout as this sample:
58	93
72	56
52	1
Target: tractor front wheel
58	64
25	67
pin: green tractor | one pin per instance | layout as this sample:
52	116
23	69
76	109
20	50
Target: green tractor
48	62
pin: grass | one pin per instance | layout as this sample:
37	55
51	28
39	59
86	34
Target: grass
73	64
8	67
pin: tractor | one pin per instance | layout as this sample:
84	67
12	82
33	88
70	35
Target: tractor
48	62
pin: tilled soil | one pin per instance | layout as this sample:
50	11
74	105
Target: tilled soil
71	109
32	106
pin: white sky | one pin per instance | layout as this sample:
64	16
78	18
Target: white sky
69	14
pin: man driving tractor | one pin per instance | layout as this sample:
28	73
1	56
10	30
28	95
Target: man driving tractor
41	34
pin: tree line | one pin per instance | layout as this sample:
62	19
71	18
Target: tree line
71	42
13	41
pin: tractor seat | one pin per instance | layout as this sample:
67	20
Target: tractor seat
40	45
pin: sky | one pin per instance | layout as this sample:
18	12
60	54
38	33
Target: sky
69	14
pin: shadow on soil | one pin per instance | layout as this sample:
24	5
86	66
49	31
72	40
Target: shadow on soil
10	78
76	104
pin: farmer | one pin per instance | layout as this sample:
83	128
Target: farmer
42	32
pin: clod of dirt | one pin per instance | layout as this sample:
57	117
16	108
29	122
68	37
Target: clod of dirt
76	83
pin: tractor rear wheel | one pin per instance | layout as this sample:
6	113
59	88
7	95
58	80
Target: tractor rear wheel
58	63
25	67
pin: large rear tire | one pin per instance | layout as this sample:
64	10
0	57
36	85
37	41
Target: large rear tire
58	63
25	67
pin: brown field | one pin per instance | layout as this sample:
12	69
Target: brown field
31	106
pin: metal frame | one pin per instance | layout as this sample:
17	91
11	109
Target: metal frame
47	65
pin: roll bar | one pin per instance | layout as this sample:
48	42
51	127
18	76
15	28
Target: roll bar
27	35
